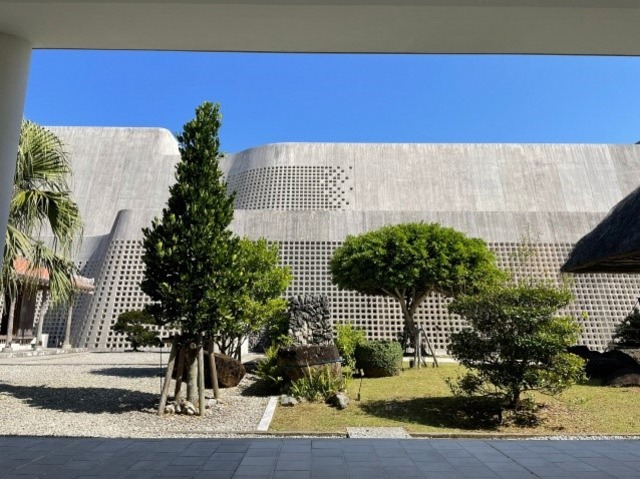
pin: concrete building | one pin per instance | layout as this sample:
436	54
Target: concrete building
390	26
308	196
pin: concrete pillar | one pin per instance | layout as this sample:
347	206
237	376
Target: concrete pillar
44	307
12	313
67	327
15	55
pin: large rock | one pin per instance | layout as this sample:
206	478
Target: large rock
601	368
296	361
584	352
339	400
626	377
230	371
621	357
310	320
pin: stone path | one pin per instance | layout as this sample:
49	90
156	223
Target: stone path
71	458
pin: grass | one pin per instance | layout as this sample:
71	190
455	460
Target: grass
420	401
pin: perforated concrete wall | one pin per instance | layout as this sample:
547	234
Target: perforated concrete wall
293	187
601	301
308	197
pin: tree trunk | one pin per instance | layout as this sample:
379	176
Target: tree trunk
167	378
201	405
515	399
179	374
191	368
213	370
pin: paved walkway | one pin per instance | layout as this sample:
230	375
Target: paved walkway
316	458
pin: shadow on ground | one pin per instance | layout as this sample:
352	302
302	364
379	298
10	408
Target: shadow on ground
256	387
440	412
88	399
131	372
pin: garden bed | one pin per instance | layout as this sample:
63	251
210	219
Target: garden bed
421	402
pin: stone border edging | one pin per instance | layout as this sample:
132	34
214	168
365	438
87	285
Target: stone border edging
267	417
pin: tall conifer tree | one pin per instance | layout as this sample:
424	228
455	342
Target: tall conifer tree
189	252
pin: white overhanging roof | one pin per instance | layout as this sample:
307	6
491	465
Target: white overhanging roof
607	27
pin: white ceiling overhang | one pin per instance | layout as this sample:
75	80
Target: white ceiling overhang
600	27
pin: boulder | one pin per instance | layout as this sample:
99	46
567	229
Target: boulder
295	361
339	400
288	400
601	368
626	377
620	357
230	371
584	352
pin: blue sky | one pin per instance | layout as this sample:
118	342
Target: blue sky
269	98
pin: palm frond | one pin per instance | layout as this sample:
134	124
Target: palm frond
41	205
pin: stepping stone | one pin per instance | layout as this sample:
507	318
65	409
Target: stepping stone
378	432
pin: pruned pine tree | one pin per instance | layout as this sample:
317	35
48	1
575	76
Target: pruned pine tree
189	251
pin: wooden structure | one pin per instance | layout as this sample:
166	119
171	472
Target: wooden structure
22	318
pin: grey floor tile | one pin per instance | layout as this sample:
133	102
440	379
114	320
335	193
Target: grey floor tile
226	456
36	469
434	466
150	465
328	460
330	470
291	475
220	465
360	457
258	461
293	465
262	453
215	474
189	461
254	471
294	456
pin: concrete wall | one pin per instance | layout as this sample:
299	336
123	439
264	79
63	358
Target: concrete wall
307	197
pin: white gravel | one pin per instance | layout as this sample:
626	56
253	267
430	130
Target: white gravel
109	395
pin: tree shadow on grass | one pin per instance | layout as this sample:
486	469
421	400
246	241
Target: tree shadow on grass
131	372
81	400
440	412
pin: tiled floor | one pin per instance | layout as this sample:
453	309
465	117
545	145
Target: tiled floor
316	458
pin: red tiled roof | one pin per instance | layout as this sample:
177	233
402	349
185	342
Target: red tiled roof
24	270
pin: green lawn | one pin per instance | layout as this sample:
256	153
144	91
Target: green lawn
420	401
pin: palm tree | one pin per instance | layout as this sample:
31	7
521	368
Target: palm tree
41	206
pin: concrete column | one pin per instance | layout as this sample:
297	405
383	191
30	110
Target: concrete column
67	327
44	307
12	313
15	55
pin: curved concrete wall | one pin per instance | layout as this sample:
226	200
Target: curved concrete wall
307	197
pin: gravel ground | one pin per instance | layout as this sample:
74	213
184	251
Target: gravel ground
109	395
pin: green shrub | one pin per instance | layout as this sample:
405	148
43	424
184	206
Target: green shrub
347	339
135	324
379	359
268	370
627	334
517	342
317	384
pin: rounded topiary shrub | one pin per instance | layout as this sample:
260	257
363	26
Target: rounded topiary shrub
379	359
295	361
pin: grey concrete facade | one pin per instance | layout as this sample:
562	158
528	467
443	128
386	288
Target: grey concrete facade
307	197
